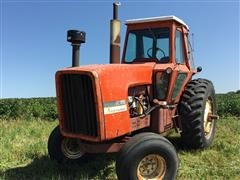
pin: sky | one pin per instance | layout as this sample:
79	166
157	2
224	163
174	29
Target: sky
33	42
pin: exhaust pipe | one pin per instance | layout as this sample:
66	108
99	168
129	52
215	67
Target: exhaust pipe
76	38
115	28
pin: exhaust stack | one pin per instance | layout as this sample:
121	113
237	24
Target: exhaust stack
76	38
115	28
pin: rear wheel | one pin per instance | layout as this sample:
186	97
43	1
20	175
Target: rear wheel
196	109
147	156
64	149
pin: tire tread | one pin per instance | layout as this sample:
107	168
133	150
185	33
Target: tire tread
191	109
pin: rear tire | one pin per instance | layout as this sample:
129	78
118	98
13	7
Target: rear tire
197	104
64	149
147	156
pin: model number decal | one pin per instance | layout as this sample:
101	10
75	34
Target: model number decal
115	107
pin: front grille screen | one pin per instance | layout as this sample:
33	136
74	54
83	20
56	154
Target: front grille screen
79	107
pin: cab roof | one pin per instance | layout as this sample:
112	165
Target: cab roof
155	19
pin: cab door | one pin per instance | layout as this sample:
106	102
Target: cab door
181	71
170	80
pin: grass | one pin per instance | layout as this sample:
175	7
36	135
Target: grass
220	161
24	155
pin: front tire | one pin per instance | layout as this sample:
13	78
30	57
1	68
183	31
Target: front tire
147	156
196	107
64	149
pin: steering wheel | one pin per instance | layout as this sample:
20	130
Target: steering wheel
157	49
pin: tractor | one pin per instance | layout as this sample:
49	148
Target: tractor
128	107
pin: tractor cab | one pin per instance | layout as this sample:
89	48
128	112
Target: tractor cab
158	39
164	41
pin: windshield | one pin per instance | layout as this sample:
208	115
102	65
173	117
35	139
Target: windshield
148	44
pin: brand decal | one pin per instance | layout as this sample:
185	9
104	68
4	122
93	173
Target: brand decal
115	107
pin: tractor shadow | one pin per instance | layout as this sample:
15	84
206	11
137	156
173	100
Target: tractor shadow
100	166
177	143
97	167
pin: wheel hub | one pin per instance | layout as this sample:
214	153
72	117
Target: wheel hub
71	148
152	166
208	124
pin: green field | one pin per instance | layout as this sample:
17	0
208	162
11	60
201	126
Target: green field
24	155
45	108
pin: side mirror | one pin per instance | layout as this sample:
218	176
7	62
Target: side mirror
199	69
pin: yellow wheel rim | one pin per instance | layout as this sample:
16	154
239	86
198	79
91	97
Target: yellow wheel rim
208	123
151	167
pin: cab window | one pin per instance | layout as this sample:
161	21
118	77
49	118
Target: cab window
162	82
131	47
148	44
179	47
190	55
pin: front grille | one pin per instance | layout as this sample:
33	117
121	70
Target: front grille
79	107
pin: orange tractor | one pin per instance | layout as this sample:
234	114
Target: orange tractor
126	107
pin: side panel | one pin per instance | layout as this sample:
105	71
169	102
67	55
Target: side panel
162	120
114	87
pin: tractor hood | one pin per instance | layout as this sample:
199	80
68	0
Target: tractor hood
109	92
115	79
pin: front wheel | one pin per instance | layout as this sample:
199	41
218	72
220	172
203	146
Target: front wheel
147	156
64	149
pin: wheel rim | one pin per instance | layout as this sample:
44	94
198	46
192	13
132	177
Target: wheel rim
208	123
152	166
71	148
